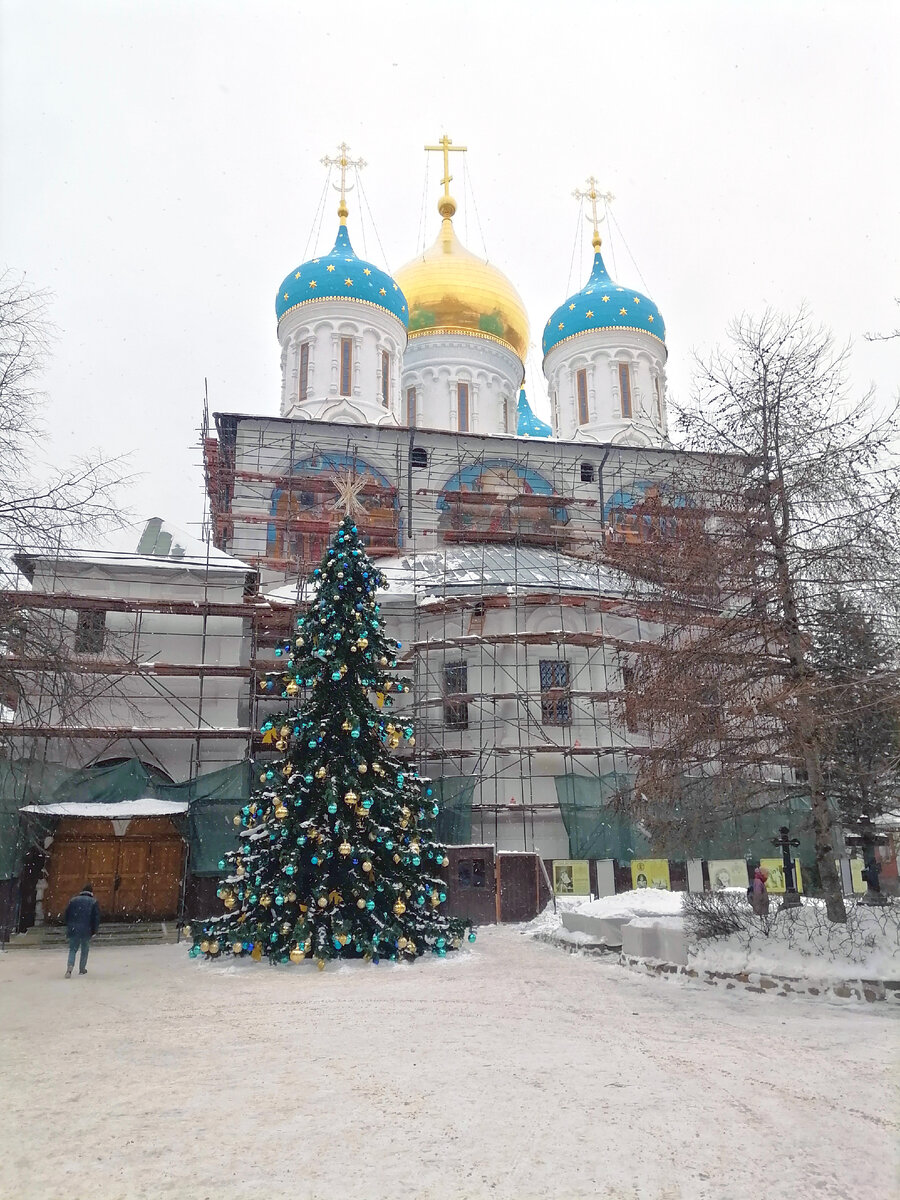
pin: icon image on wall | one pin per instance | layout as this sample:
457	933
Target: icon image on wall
571	877
728	873
776	881
650	873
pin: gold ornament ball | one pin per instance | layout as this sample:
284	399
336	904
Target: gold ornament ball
399	908
412	741
320	774
382	662
292	896
402	943
237	820
360	904
350	797
414	848
363	768
322	901
445	862
363	642
296	955
320	963
214	947
236	948
281	812
367	866
229	901
344	848
204	946
265	901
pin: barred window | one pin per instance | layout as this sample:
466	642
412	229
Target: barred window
385	379
456	683
462	394
556	706
304	371
90	631
625	388
582	390
346	365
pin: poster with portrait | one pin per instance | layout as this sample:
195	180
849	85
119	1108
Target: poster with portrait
728	873
776	883
571	877
651	873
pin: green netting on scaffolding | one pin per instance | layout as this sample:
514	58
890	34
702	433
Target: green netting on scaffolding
213	800
705	818
453	826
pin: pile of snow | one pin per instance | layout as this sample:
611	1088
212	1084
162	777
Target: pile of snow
643	902
803	943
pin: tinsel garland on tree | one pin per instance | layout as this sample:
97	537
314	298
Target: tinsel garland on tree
336	856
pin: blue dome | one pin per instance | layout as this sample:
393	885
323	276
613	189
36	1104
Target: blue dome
527	424
342	274
602	304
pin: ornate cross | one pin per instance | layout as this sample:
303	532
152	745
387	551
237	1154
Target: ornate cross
344	163
593	195
447	206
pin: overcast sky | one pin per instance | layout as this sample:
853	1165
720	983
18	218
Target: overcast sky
160	175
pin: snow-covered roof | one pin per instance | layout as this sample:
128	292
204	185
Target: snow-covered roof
481	569
152	543
110	810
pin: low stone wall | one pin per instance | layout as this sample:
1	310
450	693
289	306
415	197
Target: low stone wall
868	990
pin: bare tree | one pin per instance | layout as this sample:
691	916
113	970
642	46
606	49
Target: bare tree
43	506
792	495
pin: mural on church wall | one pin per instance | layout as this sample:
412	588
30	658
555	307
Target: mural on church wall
500	500
304	512
641	515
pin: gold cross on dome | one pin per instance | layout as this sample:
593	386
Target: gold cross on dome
593	195
447	205
348	487
345	163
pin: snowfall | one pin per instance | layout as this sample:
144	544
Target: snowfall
510	1069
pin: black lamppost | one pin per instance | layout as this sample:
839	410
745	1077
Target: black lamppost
866	839
784	842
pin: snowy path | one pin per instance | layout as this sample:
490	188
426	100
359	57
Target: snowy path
511	1071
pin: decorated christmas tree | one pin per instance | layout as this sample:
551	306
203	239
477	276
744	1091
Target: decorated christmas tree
336	855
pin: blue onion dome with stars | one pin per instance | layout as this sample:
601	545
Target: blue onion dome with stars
602	304
527	424
341	273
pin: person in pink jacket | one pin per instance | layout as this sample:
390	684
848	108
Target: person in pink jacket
760	895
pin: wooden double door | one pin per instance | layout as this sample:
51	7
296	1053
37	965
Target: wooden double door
135	872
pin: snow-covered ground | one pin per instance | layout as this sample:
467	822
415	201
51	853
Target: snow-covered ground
511	1070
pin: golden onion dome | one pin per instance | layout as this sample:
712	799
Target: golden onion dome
450	290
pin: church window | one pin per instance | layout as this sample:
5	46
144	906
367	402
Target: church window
346	365
90	631
587	472
411	413
462	397
456	683
304	371
555	699
556	411
504	414
385	379
658	399
582	393
625	388
419	456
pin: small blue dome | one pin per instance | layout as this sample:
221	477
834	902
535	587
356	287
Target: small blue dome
342	274
527	424
602	304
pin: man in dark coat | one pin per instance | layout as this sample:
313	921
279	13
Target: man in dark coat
82	922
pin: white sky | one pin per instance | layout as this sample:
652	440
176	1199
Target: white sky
160	174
